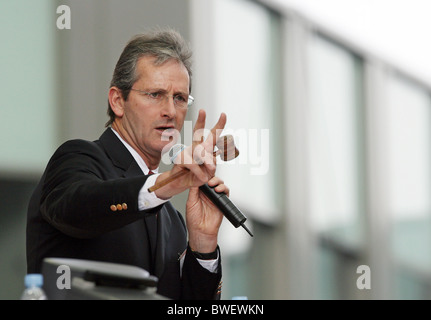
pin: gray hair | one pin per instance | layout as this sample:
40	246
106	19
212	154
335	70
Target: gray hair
163	44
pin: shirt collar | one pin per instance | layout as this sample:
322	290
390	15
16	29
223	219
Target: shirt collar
135	155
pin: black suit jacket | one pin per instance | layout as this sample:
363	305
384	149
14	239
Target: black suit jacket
70	216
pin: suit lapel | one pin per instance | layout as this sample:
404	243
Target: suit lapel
119	155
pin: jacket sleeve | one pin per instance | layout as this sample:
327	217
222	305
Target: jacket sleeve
80	187
197	282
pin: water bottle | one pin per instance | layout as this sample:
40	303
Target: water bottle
33	287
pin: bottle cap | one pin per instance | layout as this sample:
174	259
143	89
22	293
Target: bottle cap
33	280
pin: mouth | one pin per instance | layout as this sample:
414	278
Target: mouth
163	129
168	131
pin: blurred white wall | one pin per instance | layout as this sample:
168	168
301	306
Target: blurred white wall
395	30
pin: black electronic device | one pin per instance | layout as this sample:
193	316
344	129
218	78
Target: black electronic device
226	206
77	279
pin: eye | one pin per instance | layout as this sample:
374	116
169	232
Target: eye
180	98
155	95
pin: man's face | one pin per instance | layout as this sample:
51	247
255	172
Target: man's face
150	125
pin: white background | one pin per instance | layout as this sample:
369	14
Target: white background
396	30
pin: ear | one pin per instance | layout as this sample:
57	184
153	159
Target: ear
116	101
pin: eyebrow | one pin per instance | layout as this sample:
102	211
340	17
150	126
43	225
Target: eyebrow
165	91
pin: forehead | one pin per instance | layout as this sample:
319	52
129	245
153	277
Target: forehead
170	72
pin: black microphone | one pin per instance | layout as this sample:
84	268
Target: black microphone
226	206
220	199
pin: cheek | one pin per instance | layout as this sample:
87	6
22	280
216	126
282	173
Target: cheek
180	118
140	115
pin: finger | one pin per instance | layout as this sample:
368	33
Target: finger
190	160
215	181
199	126
202	156
199	174
222	188
184	157
219	185
217	129
199	154
210	161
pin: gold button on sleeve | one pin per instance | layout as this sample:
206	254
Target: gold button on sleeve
124	205
113	207
119	207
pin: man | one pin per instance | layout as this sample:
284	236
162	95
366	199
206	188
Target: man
93	201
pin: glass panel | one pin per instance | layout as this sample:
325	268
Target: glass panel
27	133
334	154
408	128
409	185
246	82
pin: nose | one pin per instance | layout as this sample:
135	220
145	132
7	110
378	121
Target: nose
168	109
